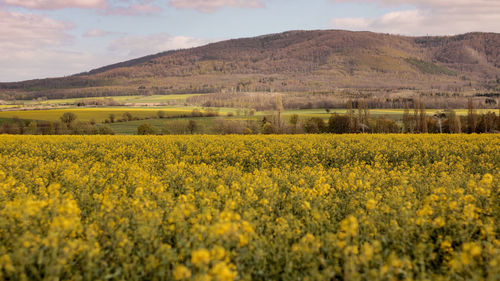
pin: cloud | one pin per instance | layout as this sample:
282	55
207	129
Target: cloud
96	33
135	9
447	4
35	46
31	31
114	7
137	46
30	47
57	4
433	17
210	6
27	45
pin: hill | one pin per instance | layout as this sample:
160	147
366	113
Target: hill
291	61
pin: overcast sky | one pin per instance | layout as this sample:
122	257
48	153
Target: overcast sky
50	38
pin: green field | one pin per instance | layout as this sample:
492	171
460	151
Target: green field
96	114
4	106
101	113
130	128
148	114
121	99
375	112
394	114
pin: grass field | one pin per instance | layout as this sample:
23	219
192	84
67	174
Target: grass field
97	114
303	207
130	128
121	99
100	114
389	113
6	106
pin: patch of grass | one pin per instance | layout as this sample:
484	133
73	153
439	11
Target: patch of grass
96	114
204	124
429	67
121	99
2	120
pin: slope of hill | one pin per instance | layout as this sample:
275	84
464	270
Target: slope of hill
292	61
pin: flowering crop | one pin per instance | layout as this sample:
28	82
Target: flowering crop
315	207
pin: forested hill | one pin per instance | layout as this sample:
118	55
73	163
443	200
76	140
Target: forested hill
292	61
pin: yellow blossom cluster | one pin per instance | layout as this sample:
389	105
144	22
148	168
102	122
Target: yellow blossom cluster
302	207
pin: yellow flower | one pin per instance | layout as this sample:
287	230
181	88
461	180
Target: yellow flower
349	226
473	248
181	272
218	253
6	263
370	204
487	179
445	245
367	251
306	206
465	258
242	240
222	272
200	257
439	222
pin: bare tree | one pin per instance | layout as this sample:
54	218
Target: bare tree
350	115
366	113
192	125
454	122
423	118
471	116
68	117
279	110
294	120
407	119
418	126
439	116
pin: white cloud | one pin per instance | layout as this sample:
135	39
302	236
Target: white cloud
134	10
34	46
31	31
96	33
115	7
433	17
210	6
133	7
30	62
29	48
57	4
136	46
481	4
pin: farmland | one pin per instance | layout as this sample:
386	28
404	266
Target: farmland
322	207
219	120
97	114
257	112
121	99
100	114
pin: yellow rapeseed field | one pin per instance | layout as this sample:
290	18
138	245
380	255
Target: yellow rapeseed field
316	207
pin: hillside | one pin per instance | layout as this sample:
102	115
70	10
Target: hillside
291	61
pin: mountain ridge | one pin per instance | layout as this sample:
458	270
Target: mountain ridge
297	60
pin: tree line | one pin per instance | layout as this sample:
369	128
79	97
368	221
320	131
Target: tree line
336	100
357	119
415	120
67	125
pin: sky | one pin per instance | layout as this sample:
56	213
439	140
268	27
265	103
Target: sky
54	38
